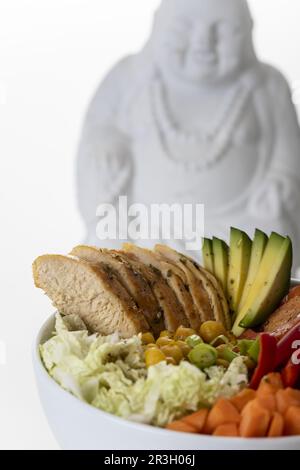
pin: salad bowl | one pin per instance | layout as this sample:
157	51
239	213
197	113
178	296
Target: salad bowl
77	425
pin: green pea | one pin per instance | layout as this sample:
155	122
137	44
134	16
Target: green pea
203	356
253	351
193	341
226	353
244	345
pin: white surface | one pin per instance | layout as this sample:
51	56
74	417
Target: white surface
96	430
52	55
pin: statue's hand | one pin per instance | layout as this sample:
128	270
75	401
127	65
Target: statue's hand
277	195
114	170
112	158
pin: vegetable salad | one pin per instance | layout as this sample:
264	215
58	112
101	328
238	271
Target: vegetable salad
111	374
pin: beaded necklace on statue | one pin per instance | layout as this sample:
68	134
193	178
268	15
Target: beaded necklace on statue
213	142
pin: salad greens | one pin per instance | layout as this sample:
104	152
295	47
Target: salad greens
110	374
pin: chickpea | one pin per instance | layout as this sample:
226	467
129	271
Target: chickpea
250	364
210	330
183	333
154	356
173	351
165	333
171	360
164	341
232	339
185	349
223	363
147	338
150	346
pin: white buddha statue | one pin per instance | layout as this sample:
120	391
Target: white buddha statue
195	117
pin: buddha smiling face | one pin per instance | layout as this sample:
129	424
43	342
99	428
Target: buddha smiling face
203	41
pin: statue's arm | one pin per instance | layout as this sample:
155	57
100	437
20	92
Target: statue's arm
279	193
104	163
286	156
105	104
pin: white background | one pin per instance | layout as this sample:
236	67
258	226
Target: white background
52	55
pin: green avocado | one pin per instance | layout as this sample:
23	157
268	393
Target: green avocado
258	248
208	256
220	253
239	260
270	286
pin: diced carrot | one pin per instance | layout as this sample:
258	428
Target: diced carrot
292	421
255	420
241	399
266	388
223	412
286	398
197	420
274	379
267	401
277	425
247	408
227	430
180	426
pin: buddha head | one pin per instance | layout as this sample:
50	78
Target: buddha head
203	41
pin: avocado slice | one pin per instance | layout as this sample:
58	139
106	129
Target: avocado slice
270	286
258	248
220	253
208	256
239	260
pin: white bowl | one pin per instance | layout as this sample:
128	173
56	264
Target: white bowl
79	426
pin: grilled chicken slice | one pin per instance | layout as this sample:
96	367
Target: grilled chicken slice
90	291
193	313
198	289
174	276
131	279
172	311
219	309
151	279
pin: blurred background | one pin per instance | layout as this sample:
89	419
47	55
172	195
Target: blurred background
53	54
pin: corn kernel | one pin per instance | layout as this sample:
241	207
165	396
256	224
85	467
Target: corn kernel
150	346
154	356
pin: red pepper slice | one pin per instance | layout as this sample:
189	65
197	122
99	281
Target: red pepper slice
291	374
266	359
285	345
